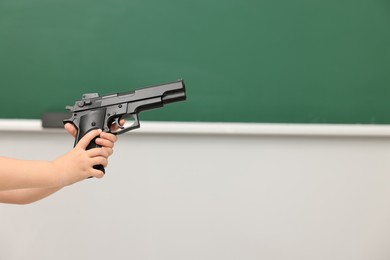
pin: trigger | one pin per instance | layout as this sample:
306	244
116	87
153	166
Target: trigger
117	123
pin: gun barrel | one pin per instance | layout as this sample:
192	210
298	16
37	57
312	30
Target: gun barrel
169	92
178	94
156	96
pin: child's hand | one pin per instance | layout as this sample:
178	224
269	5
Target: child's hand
105	139
78	164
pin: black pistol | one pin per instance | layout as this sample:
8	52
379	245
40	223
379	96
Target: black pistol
94	111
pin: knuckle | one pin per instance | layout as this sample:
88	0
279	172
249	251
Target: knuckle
104	163
105	153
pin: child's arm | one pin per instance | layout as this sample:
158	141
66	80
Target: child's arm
69	168
26	196
24	181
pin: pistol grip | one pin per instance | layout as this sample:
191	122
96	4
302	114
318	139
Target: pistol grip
88	122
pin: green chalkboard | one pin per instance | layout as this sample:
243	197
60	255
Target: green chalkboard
289	61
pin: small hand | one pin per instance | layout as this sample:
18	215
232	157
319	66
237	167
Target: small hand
77	164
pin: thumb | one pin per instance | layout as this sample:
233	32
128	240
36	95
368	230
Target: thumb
72	130
87	138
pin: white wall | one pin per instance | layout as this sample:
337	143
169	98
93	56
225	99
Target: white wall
209	196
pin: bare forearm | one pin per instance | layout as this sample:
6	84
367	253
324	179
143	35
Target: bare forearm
26	181
26	196
22	174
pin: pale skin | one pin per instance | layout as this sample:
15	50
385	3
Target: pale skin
27	181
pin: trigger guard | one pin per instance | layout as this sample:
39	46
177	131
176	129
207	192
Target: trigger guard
133	126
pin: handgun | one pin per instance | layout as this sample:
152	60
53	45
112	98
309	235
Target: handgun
94	111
